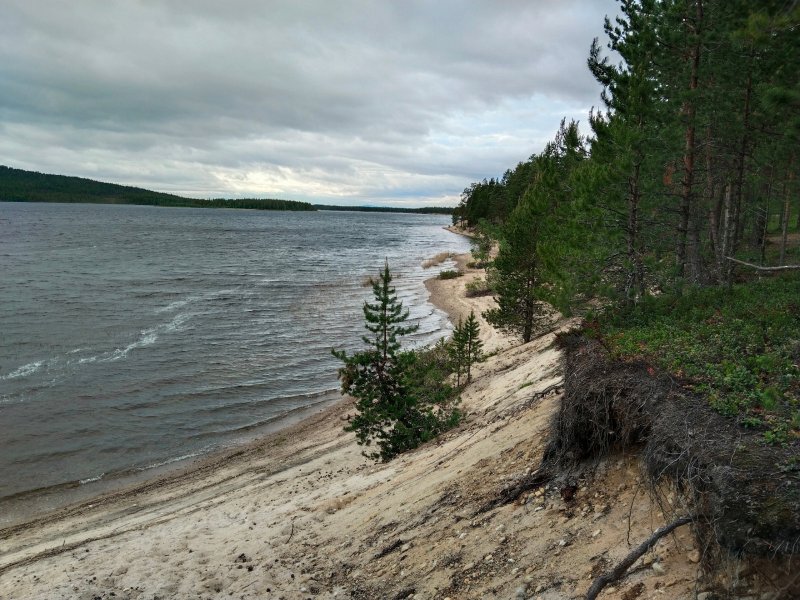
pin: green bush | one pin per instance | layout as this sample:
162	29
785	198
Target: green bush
450	274
739	347
478	287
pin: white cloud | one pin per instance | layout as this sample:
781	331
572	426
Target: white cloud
349	102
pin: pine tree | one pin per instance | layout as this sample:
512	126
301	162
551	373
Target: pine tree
473	346
538	258
456	350
398	406
515	273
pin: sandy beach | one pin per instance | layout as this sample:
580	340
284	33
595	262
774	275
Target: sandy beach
301	514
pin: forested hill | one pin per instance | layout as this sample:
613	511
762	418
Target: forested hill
17	185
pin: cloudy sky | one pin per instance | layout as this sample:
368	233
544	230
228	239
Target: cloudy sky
401	102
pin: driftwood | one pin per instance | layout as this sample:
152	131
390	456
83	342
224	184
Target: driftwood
617	572
760	268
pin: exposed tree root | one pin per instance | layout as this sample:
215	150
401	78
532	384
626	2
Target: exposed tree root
617	572
747	494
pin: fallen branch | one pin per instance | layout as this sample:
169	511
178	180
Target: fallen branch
547	390
390	548
760	268
509	494
617	572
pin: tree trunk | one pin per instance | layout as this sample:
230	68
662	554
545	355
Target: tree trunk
787	193
690	110
741	161
714	208
764	216
635	283
726	234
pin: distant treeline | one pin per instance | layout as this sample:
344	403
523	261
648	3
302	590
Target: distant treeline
426	210
17	185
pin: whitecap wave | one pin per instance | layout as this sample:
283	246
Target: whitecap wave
24	370
147	337
91	479
176	304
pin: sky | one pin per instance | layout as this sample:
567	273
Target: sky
390	102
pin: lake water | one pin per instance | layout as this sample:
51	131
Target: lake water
132	337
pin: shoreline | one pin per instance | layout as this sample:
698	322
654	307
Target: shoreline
29	506
40	504
53	503
301	514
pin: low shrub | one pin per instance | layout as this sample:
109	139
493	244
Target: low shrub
478	287
450	274
737	347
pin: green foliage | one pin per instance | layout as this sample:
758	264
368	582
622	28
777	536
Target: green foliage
466	347
738	347
483	241
693	159
401	398
538	258
515	277
473	346
450	274
477	287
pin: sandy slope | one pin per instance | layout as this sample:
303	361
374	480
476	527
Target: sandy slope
303	515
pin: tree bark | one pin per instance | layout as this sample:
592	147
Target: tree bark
741	157
726	234
787	192
689	110
635	284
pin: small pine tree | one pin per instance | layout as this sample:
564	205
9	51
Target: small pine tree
400	395
473	346
465	348
456	350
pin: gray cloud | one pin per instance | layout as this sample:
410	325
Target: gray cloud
349	101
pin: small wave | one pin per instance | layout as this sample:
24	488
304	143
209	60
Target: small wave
24	370
91	479
147	337
177	304
174	459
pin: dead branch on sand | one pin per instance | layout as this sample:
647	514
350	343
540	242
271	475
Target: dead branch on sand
617	572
